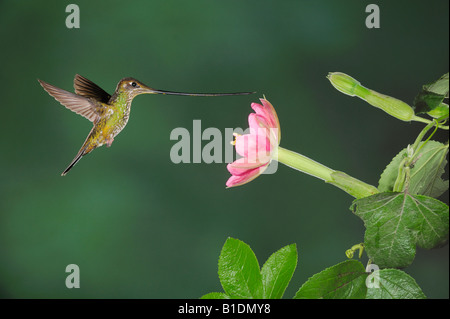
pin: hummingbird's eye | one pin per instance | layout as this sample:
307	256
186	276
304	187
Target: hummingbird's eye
133	84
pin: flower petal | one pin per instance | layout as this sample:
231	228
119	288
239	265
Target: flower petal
267	111
256	122
241	166
258	147
255	148
248	177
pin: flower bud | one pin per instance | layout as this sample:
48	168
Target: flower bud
390	105
394	107
343	82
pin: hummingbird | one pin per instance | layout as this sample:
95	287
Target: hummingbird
109	114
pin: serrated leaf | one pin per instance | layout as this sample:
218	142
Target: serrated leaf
428	169
393	284
397	222
277	271
215	295
440	86
431	95
346	280
239	271
425	178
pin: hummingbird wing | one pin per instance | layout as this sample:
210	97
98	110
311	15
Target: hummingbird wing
88	88
84	106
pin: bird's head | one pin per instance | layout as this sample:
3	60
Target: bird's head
134	87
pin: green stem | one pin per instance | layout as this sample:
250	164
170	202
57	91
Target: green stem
401	176
352	186
420	137
421	119
304	164
402	181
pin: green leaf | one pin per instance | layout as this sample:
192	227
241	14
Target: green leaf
397	222
241	277
428	169
239	271
346	280
440	111
277	271
215	295
431	95
389	175
427	101
426	173
440	86
393	284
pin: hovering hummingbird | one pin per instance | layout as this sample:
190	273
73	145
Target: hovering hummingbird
109	114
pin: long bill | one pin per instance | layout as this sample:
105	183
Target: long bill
153	91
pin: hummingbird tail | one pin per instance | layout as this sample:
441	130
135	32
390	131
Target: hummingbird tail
80	154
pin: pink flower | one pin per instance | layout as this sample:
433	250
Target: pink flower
258	147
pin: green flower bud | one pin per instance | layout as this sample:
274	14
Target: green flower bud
348	85
390	105
343	82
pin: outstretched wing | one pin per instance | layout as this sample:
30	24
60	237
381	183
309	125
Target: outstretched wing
76	103
88	88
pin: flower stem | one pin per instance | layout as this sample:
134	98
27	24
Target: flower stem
304	164
426	121
352	186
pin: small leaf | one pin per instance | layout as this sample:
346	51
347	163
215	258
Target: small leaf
431	95
389	175
215	295
397	222
277	271
427	101
239	271
346	280
428	169
426	173
440	86
394	284
440	111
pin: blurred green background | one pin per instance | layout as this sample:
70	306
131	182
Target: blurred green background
140	226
